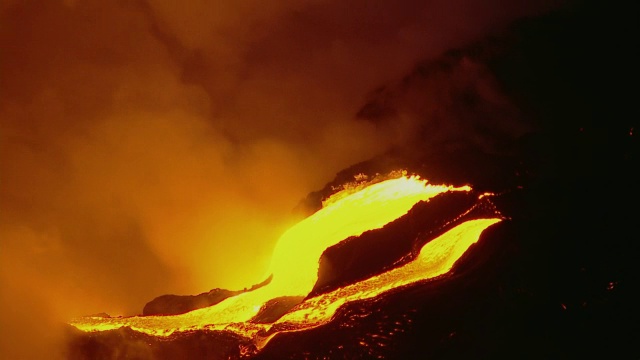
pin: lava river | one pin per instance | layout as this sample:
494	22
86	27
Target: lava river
295	262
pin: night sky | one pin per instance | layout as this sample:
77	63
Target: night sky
150	148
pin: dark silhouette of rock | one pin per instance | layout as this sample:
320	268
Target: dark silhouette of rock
180	304
275	308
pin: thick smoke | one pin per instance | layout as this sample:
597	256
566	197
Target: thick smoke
155	147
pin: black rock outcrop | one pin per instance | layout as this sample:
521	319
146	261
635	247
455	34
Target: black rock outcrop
180	304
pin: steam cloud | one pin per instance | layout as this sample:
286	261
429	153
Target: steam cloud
150	147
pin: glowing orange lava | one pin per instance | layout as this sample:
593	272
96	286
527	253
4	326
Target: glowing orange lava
295	266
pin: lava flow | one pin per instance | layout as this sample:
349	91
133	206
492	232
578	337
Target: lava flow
295	262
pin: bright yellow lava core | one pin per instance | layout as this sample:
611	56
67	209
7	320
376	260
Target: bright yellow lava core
295	266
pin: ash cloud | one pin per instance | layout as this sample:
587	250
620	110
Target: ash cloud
451	103
151	148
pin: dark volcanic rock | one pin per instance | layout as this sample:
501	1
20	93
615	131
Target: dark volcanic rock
180	304
398	242
275	308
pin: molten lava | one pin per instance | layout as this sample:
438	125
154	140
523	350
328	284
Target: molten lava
295	262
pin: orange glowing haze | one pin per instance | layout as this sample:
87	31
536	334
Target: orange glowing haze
294	265
151	147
